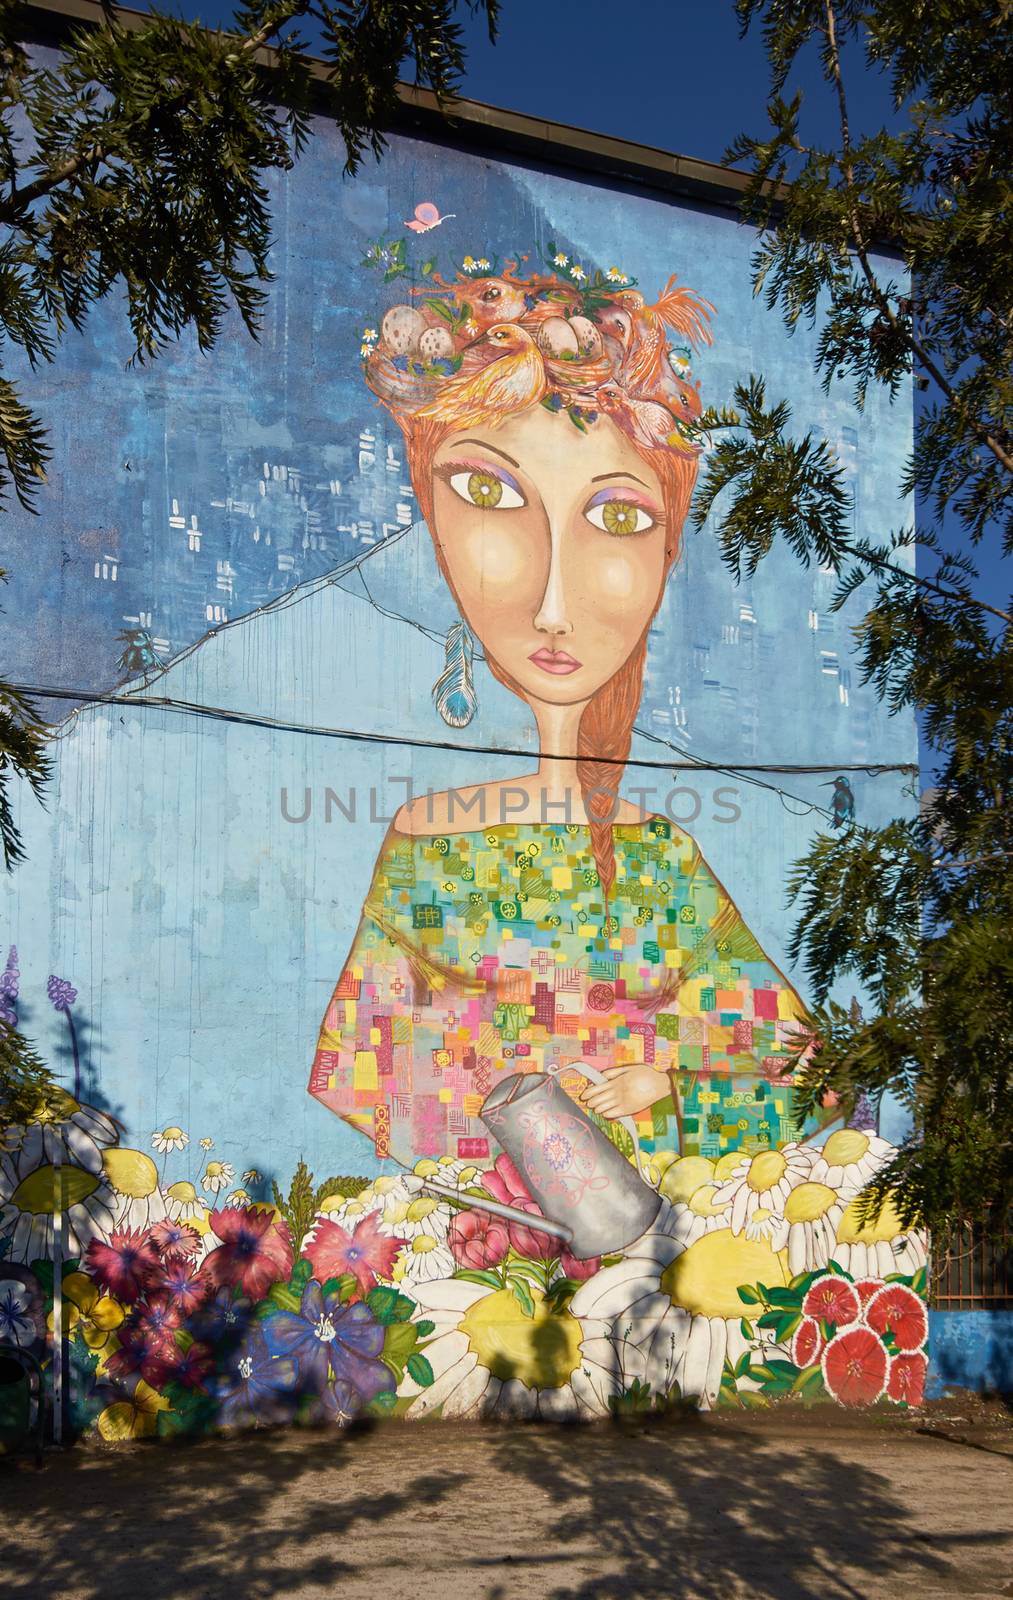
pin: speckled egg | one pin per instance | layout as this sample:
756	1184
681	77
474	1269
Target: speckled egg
556	338
587	335
401	329
436	344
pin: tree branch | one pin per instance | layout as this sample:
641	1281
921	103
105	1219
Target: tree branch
862	252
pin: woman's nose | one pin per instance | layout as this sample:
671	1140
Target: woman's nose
551	616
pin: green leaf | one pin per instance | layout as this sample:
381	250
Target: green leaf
492	1280
742	1365
784	1298
808	1378
399	1341
748	1296
420	1370
388	1305
428	266
385	1401
752	1400
746	1329
522	1294
424	1327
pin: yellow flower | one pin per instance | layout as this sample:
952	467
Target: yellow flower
88	1311
207	1144
136	1418
468	263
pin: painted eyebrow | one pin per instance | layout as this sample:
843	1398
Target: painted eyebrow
490	447
604	477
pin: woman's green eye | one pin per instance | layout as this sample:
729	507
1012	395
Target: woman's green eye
619	517
487	490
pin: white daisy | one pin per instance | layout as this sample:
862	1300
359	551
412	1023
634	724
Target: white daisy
68	1135
764	1182
32	1190
877	1249
849	1159
812	1213
559	260
423	1260
699	1215
133	1178
764	1224
410	1219
217	1176
490	1358
171	1138
182	1201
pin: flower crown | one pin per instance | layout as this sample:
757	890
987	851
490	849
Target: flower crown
580	341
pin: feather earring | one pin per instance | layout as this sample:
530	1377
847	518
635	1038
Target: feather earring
454	690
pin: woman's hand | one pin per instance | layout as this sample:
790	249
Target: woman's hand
629	1090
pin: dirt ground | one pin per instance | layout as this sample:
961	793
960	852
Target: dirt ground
792	1507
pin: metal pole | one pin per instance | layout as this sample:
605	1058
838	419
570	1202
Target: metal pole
58	1312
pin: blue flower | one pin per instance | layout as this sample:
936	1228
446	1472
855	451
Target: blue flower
400	362
255	1384
323	1331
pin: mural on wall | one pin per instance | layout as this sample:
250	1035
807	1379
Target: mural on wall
574	1180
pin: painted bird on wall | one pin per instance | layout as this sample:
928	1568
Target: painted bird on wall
842	802
513	378
679	309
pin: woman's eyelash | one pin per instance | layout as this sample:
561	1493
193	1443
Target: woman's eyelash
449	469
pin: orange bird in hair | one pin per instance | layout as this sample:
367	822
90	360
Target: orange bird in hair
644	421
513	378
678	309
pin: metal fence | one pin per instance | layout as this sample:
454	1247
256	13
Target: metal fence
975	1273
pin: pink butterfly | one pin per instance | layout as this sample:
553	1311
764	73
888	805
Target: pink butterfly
427	216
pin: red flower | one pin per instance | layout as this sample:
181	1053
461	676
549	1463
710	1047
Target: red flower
832	1299
141	1350
808	1343
865	1288
478	1239
854	1367
126	1266
506	1185
898	1310
188	1287
160	1316
907	1379
367	1253
577	1267
193	1367
174	1239
255	1251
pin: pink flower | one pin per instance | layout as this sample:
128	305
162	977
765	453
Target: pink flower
193	1367
174	1239
367	1253
505	1184
478	1239
160	1316
906	1382
898	1310
576	1268
832	1299
808	1343
180	1279
141	1350
255	1251
854	1367
126	1266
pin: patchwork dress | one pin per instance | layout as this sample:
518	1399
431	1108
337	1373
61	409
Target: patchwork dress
485	953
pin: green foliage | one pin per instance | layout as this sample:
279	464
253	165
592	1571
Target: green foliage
918	910
26	1084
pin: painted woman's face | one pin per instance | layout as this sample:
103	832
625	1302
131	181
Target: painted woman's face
554	541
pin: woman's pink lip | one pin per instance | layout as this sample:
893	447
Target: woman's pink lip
555	661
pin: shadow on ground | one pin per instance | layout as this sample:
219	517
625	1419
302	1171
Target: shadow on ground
689	1507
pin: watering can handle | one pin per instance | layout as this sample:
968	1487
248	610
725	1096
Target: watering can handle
587	1071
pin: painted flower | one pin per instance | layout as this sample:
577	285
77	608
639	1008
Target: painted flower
876	1249
366	1253
812	1213
182	1280
849	1158
808	1343
855	1367
252	1176
478	1239
61	993
239	1197
170	1138
423	1215
9	989
506	1185
21	1306
136	1418
613	275
183	1204
369	335
560	260
578	1268
217	1176
324	1332
681	1177
65	1133
172	1238
207	1144
577	273
89	1312
905	1384
490	1357
133	1178
222	1320
424	1260
672	1305
763	1182
33	1189
832	1299
193	1367
161	1315
126	1266
897	1310
256	1386
764	1224
469	264
255	1251
144	1351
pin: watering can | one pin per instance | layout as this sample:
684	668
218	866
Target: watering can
569	1166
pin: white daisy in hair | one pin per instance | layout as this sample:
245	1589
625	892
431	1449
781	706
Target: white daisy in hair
763	1182
849	1158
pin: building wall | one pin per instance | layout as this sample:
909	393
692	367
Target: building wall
234	544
